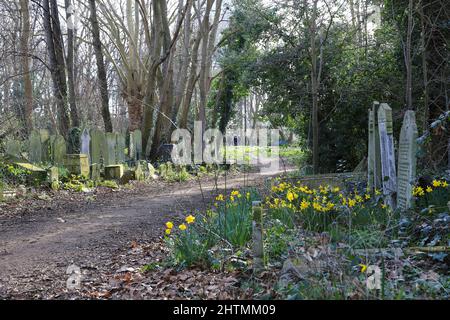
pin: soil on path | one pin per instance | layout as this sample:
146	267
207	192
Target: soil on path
37	247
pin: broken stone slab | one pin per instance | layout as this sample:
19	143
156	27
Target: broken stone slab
77	164
37	174
114	172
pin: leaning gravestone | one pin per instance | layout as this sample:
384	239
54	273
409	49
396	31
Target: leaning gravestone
58	149
389	176
13	148
120	148
98	147
407	160
85	143
111	141
35	147
374	157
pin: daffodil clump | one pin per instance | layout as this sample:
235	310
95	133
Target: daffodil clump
317	208
229	221
435	196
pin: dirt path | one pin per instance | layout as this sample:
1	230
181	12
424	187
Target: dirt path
41	245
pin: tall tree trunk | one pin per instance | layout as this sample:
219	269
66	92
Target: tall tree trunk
314	89
424	68
56	61
101	70
70	62
408	63
24	47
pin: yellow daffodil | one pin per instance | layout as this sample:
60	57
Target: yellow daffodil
232	198
429	189
290	196
351	203
418	191
377	192
336	189
169	225
383	206
367	196
168	231
363	267
220	197
182	227
235	193
436	183
304	204
248	195
190	219
444	184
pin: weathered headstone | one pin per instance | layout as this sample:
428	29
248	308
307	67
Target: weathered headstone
77	164
95	172
374	156
35	147
114	172
98	147
138	144
13	148
46	145
388	170
53	177
139	173
111	141
120	148
132	147
407	160
58	149
86	143
74	141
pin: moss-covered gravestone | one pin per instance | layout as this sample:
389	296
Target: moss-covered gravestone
45	145
36	174
138	144
114	172
95	172
13	148
111	142
58	149
53	177
120	148
132	147
35	147
98	147
374	180
77	164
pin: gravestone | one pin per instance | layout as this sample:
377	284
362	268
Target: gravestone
96	172
407	160
53	177
98	147
120	148
74	141
257	237
58	149
114	172
13	148
132	147
35	147
111	142
138	144
86	143
374	156
388	170
46	145
77	164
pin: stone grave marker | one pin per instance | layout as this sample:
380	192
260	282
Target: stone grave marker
95	172
13	148
74	141
138	144
53	177
407	160
388	170
374	157
77	164
46	145
120	148
111	142
58	149
35	147
98	147
132	147
114	172
86	143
